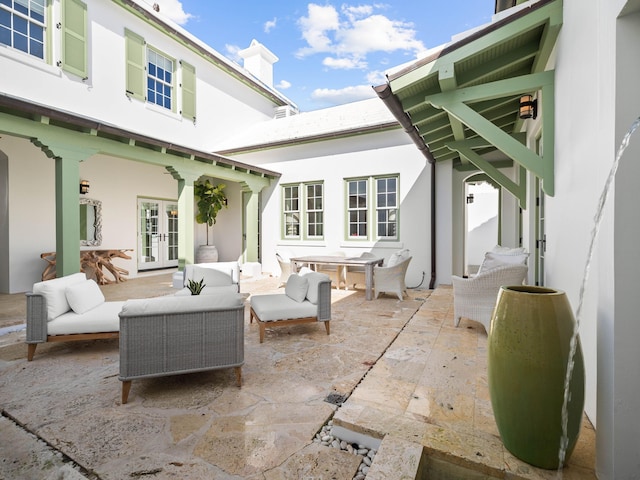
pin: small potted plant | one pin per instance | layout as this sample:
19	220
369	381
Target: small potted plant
196	287
211	199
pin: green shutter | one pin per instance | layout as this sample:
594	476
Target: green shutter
188	91
74	37
135	64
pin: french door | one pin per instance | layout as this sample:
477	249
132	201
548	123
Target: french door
157	233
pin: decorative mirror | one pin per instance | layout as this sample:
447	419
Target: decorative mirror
90	222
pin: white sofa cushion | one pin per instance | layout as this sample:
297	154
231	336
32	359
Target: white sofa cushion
297	287
84	296
227	289
314	279
494	260
231	268
180	304
103	318
213	277
276	306
54	293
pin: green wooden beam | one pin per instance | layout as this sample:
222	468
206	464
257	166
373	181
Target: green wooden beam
494	90
549	13
24	127
517	190
454	103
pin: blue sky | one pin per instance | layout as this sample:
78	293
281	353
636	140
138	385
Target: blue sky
329	52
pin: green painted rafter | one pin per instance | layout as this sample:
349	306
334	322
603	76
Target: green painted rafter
455	104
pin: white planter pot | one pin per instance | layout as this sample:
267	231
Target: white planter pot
206	254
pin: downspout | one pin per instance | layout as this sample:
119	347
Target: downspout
395	107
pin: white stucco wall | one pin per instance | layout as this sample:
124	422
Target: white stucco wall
332	161
597	60
102	96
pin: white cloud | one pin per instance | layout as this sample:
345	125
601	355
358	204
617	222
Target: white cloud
270	25
283	85
315	27
232	52
343	95
376	77
353	33
172	9
344	63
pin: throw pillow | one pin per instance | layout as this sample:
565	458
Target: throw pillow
296	287
54	293
84	296
494	260
398	257
212	276
314	278
508	250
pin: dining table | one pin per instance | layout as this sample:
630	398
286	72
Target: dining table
341	263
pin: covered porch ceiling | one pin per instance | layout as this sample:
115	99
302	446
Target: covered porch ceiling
461	103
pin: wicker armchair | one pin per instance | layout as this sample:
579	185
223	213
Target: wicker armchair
337	274
391	279
475	298
355	275
285	269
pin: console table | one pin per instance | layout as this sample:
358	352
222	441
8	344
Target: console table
93	263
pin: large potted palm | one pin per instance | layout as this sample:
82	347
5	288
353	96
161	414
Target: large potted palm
211	199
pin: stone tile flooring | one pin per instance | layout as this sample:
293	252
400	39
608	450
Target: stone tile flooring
409	377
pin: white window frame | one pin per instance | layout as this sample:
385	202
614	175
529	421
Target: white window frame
314	210
356	207
30	21
386	203
291	211
300	214
151	54
367	205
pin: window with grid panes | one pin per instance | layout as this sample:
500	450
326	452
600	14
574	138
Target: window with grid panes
159	79
387	207
291	211
22	25
357	208
314	211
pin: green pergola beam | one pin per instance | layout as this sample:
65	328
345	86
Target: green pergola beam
517	190
455	104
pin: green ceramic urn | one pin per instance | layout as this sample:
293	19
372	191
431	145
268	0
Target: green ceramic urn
528	355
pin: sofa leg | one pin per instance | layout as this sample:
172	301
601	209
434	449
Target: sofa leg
126	386
326	326
31	350
238	375
261	325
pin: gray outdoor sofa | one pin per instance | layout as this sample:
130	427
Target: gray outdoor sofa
180	334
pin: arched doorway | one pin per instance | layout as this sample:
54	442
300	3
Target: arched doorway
482	220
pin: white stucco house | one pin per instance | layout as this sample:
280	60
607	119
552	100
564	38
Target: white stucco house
111	93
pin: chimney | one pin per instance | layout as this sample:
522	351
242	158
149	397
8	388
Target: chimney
259	60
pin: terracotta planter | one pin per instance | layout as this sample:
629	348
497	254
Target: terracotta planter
206	254
528	352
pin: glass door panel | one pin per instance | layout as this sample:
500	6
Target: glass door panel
157	234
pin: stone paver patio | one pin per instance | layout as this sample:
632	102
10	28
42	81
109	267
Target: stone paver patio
408	376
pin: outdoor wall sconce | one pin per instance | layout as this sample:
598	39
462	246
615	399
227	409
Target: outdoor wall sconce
528	107
470	198
84	186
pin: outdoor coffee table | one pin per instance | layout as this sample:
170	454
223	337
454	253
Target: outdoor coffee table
341	263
